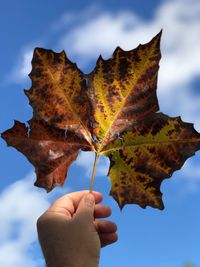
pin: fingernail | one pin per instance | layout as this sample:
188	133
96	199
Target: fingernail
89	200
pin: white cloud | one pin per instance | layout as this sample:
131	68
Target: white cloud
99	35
20	206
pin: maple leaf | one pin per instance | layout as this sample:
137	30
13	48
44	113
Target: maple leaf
112	111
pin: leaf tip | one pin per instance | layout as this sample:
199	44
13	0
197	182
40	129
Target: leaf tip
3	135
48	182
26	92
63	53
117	50
121	206
157	38
160	32
159	205
44	184
120	202
100	59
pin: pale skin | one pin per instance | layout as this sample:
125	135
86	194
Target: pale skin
70	234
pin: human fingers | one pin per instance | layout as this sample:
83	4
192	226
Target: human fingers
104	226
107	238
68	203
101	211
107	232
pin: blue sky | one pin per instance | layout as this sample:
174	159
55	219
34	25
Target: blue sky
85	29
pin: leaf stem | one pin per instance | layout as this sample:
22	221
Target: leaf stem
94	171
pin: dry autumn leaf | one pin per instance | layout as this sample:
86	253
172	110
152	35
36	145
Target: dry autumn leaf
112	111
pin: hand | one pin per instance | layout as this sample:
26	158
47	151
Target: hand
69	234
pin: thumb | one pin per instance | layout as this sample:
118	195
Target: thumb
85	208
